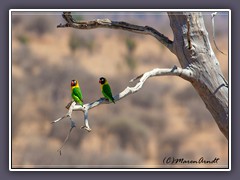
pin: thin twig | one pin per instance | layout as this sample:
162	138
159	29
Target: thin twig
66	139
213	15
225	81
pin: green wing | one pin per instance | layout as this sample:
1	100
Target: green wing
106	90
77	95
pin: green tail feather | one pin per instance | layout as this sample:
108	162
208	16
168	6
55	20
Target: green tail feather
112	99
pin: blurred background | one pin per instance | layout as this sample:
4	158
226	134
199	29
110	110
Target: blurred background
166	118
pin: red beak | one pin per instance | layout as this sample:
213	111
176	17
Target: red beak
99	81
72	83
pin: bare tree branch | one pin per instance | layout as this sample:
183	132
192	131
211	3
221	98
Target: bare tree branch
106	23
66	139
204	73
213	15
68	114
175	71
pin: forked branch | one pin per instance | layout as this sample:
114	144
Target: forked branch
107	23
175	71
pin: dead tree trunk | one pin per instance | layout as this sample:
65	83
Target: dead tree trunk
192	47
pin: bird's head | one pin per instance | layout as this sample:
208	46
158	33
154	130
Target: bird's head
102	80
74	83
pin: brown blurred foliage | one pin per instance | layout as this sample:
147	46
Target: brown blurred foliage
165	118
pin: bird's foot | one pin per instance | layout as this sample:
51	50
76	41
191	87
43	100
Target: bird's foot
86	128
102	98
68	105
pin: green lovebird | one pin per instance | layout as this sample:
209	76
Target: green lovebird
106	90
76	92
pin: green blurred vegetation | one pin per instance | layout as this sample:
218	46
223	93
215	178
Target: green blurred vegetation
77	17
126	129
23	39
77	42
40	26
129	58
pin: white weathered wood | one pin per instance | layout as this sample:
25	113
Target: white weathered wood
191	46
175	71
208	81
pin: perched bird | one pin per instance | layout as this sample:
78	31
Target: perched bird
76	92
106	90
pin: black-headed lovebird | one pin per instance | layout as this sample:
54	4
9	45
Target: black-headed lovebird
106	90
76	92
